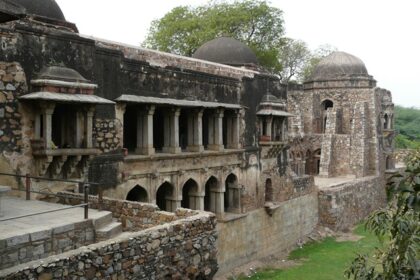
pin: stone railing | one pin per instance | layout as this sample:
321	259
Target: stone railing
133	215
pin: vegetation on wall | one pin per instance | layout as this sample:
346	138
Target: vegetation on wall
398	226
407	124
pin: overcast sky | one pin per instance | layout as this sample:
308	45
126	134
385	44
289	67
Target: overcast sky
383	33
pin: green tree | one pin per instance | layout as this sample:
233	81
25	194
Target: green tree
398	226
407	125
253	22
294	56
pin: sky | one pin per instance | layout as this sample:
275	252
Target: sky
383	33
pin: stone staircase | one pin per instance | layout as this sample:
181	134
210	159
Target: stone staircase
106	227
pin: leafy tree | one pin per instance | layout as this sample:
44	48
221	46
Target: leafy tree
294	56
399	225
253	22
407	124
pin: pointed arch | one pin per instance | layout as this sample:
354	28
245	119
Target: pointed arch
232	196
164	196
138	193
212	196
189	195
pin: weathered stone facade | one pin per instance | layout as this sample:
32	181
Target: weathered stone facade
344	205
168	132
176	250
134	216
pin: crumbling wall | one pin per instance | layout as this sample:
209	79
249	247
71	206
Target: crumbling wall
178	250
344	205
133	215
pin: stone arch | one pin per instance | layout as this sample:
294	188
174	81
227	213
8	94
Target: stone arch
386	121
190	197
213	197
164	197
268	190
138	193
232	195
325	104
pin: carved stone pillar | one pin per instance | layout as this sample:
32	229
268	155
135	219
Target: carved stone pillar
217	131
47	112
145	131
195	131
171	132
89	126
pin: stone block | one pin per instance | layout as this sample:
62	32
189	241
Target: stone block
40	235
17	240
62	229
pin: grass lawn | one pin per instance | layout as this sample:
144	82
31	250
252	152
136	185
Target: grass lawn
325	260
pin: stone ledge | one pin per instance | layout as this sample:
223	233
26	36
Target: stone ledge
159	156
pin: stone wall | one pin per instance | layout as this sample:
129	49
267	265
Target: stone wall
178	250
133	215
41	244
257	234
105	135
12	85
344	205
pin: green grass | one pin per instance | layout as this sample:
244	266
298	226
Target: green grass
323	260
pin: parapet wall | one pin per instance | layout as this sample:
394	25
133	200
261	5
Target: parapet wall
178	250
344	205
43	243
133	215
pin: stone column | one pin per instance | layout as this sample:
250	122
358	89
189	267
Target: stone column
47	111
218	131
148	129
172	204
217	201
171	132
195	132
89	126
235	132
269	122
196	201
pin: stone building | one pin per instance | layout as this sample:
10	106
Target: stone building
343	123
214	132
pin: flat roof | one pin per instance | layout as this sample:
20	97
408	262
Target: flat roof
175	102
65	98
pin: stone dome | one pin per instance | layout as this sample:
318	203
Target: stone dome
338	65
61	73
226	50
44	8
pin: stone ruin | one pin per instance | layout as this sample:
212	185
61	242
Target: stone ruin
214	132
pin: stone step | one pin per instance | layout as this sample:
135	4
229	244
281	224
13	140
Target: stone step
108	231
102	221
